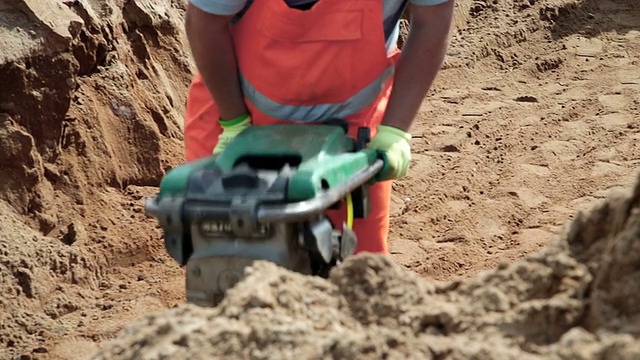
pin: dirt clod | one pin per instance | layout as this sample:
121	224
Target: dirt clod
530	126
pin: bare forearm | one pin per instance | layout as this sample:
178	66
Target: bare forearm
421	59
213	53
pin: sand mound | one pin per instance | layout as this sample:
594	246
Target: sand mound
577	299
532	119
91	94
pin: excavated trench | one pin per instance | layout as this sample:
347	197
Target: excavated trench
92	94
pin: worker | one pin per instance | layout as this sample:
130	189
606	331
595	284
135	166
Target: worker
303	61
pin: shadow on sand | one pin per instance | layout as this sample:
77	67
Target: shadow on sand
593	17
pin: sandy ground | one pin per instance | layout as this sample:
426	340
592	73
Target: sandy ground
535	116
573	300
531	121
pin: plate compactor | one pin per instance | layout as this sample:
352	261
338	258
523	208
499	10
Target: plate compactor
265	197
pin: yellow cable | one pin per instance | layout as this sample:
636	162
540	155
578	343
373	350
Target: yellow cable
349	211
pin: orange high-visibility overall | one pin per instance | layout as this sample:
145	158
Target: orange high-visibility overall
304	66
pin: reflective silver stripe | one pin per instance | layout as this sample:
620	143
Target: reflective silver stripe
319	112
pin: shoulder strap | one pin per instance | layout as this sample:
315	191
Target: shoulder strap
391	22
241	12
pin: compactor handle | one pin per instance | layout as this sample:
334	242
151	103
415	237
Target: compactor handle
304	209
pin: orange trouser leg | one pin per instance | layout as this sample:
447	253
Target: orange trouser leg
201	127
372	231
201	131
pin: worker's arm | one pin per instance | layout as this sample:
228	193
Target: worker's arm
214	55
422	56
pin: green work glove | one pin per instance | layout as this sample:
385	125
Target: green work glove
393	145
231	129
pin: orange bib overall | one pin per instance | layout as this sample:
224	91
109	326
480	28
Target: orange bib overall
302	67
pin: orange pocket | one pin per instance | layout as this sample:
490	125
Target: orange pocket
308	56
303	27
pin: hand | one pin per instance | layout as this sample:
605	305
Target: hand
393	145
231	129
